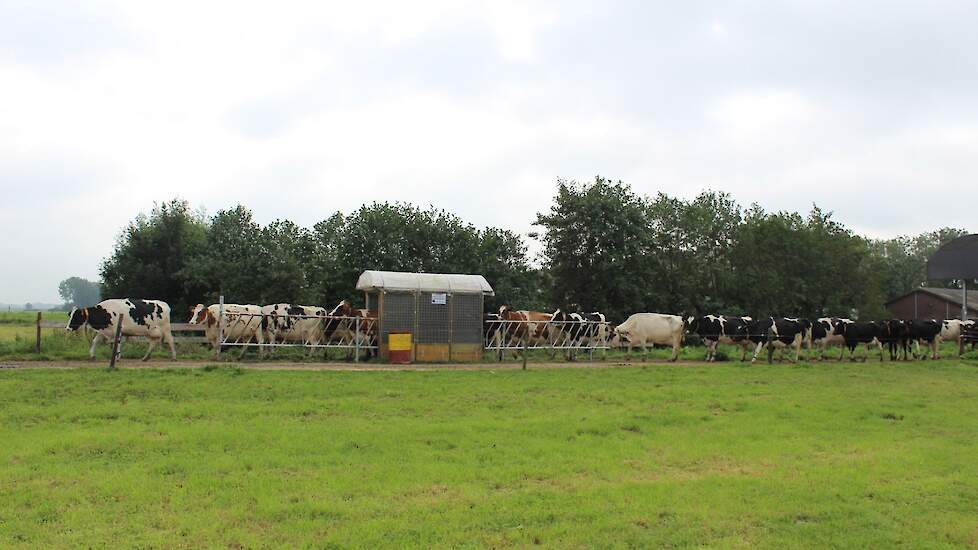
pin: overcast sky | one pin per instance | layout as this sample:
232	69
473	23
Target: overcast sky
296	110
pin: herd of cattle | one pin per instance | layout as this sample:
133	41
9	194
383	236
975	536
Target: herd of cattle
641	330
241	325
312	326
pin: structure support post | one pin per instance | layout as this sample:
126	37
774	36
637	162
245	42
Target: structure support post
220	325
37	343
525	341
964	314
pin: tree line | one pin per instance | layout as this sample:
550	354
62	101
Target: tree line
604	248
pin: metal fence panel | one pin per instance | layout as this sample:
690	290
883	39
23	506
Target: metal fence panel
552	335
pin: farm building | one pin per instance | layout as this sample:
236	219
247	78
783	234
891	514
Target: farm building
443	312
932	303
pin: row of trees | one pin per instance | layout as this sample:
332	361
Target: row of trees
609	249
605	248
188	258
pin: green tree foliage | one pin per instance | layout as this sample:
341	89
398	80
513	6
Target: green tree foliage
78	292
604	248
596	247
153	254
607	248
231	254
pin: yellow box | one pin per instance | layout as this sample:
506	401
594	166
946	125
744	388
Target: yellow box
399	342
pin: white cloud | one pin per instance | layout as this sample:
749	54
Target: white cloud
298	109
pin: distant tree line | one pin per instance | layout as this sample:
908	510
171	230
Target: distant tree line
605	248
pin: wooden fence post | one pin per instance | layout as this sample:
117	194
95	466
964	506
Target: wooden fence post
115	344
37	342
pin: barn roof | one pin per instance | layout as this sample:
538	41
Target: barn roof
957	259
952	295
424	282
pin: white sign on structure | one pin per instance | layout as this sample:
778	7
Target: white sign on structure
439	298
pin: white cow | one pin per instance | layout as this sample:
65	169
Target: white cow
951	330
149	318
825	333
242	323
644	329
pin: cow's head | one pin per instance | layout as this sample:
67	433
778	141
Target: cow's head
504	309
691	324
196	314
77	318
342	309
619	337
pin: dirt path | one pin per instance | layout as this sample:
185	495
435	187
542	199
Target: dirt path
167	364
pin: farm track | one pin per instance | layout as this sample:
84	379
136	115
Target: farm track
367	367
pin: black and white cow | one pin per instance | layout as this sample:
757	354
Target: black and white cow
714	330
578	330
779	333
824	334
595	329
927	331
149	318
855	333
895	335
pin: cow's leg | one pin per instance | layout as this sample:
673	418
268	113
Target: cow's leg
149	349
757	350
711	348
676	344
797	349
935	354
880	346
98	338
168	338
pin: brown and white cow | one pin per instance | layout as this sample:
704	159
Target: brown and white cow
242	323
149	318
351	326
532	328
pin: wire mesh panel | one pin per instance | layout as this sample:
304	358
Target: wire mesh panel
398	313
433	318
466	318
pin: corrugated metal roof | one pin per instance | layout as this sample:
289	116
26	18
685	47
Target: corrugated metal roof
952	295
424	282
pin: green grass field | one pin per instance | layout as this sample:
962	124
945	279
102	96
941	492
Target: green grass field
851	455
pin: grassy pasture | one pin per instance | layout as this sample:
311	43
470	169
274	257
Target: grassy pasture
726	455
